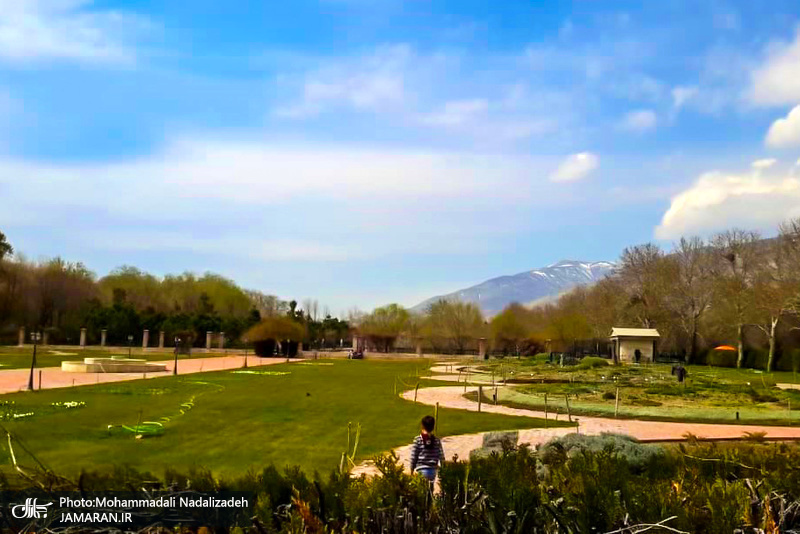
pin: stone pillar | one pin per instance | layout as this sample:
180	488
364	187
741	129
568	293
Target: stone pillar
299	349
145	338
221	340
45	338
419	348
103	337
161	339
209	335
482	348
83	338
21	338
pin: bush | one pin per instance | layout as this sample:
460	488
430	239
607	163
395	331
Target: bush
721	358
575	483
591	362
636	456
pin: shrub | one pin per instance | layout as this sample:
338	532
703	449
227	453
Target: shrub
721	358
590	362
635	455
609	395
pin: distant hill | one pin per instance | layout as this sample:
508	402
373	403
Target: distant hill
528	287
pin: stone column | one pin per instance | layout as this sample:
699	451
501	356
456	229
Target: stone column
161	339
419	348
481	348
145	338
209	335
21	338
221	340
45	338
83	338
299	349
103	337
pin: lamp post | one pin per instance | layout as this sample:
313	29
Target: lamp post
175	365
35	338
130	340
244	339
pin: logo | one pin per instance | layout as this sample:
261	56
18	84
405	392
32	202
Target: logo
30	510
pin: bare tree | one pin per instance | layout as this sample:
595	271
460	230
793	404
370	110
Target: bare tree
456	322
736	268
776	284
641	273
691	266
267	305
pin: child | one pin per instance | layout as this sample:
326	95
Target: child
427	453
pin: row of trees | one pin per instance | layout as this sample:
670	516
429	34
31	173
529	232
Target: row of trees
446	326
62	297
734	288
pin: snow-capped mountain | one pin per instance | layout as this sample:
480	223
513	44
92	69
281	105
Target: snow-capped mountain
527	287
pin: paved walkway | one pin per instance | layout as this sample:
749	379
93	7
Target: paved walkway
653	431
12	380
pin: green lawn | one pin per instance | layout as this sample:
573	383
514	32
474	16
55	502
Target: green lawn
238	420
710	394
16	358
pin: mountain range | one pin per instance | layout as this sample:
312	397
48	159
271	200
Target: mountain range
529	287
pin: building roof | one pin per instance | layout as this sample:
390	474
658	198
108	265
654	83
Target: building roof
634	332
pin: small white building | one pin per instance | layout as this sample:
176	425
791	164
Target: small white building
634	344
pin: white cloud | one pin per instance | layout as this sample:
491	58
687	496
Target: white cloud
682	94
251	247
369	83
66	29
639	121
785	132
457	112
718	200
272	201
777	80
761	164
575	167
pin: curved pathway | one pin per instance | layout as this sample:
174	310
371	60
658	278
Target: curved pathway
652	431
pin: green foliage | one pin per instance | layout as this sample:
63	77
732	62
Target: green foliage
721	358
510	327
591	362
5	247
277	328
383	326
454	326
572	485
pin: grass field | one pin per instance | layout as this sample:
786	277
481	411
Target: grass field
710	394
17	358
238	420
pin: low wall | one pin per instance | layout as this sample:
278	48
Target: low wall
115	365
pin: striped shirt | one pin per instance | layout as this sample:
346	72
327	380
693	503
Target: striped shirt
426	457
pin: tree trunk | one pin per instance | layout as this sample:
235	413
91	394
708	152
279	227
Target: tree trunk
771	357
740	346
692	343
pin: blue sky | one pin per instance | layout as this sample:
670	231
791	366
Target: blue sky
363	152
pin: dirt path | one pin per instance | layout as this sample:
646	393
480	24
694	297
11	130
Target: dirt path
654	431
12	380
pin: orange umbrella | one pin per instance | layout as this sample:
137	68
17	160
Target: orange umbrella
725	347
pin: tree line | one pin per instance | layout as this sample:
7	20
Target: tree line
61	297
733	288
